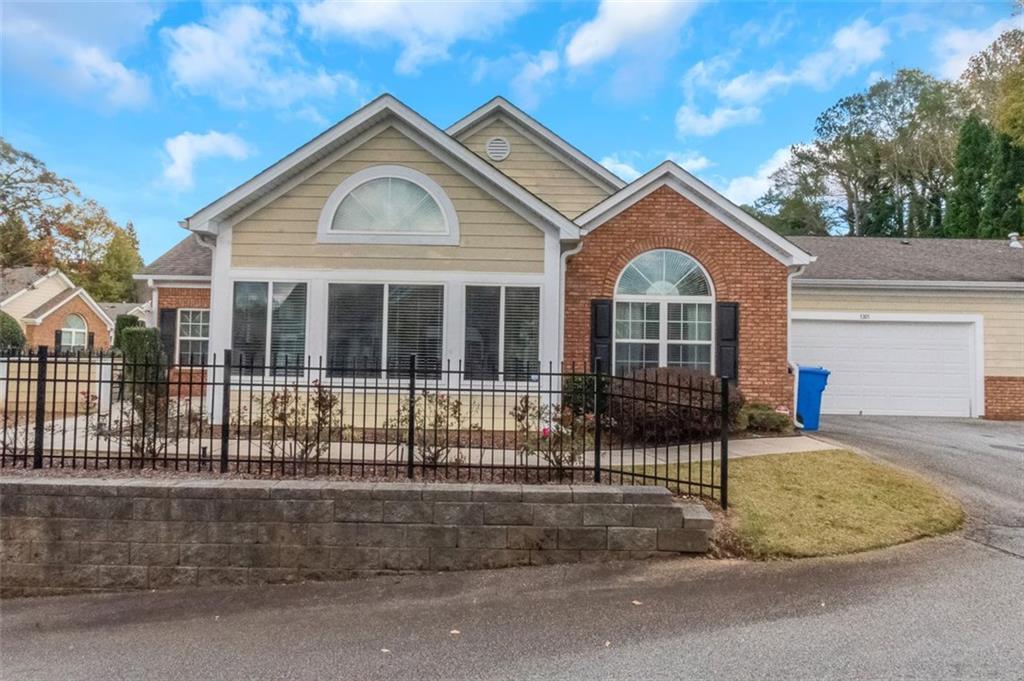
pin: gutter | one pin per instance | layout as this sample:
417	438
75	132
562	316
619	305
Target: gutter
913	284
793	274
563	263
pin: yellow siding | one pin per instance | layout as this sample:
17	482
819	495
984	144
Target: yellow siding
1003	315
27	302
538	170
283	233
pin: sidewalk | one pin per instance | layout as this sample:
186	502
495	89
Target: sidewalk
759	446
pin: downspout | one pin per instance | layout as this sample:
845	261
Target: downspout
793	272
563	263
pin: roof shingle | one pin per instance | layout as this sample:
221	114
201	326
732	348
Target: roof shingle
13	279
187	258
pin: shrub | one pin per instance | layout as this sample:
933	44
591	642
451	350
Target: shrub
668	405
554	433
760	418
301	423
578	393
440	423
11	336
124	321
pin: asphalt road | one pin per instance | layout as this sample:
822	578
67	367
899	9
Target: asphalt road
980	462
940	609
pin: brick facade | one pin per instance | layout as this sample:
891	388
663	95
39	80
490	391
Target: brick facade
177	298
43	333
1004	398
740	272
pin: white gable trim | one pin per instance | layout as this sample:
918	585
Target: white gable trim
79	293
492	180
35	282
668	174
533	130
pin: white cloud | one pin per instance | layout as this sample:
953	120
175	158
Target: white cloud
703	74
690	121
646	27
955	47
625	164
532	77
691	160
424	30
75	48
186	149
623	169
749	188
852	48
241	55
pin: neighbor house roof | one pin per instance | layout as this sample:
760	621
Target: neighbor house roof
886	259
187	258
670	174
14	279
115	310
53	304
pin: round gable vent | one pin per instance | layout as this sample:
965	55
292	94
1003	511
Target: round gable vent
498	148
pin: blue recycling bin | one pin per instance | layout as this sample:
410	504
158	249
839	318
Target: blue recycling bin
808	397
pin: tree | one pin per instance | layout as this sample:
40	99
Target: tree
983	78
970	180
15	244
120	261
791	215
11	335
1009	109
1004	210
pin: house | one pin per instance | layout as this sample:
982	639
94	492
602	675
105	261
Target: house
494	245
914	326
138	310
52	311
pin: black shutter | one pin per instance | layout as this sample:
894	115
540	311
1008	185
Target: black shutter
56	340
727	341
168	332
90	340
601	334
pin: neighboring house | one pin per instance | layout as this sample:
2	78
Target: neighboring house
137	310
914	326
52	311
494	245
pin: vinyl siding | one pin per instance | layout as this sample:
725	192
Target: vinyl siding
537	169
283	233
27	302
1003	315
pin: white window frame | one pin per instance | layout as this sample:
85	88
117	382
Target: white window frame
663	342
501	329
383	374
67	332
269	283
325	233
177	331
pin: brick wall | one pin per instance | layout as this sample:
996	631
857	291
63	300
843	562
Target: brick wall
196	298
1004	398
740	272
43	333
82	534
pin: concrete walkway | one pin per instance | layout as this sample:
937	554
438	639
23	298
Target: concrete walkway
759	446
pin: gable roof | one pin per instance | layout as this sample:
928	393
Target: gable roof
53	304
861	259
380	110
532	128
15	279
186	259
115	310
669	174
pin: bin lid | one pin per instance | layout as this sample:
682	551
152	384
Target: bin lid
814	370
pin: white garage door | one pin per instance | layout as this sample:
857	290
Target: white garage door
887	364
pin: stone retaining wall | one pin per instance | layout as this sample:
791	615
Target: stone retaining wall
69	535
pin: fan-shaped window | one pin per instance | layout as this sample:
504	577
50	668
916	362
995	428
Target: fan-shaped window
389	204
663	306
663	273
74	333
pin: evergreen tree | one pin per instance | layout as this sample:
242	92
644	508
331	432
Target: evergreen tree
1004	210
15	243
120	261
970	180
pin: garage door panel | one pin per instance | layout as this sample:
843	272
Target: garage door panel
904	368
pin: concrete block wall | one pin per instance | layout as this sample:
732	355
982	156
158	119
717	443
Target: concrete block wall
72	535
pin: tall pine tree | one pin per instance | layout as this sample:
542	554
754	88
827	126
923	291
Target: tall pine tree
963	219
1004	210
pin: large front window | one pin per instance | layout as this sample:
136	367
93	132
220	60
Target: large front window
269	326
663	311
502	332
193	336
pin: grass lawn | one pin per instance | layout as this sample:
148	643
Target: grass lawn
828	503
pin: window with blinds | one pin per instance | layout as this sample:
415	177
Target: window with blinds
273	313
415	321
502	333
355	329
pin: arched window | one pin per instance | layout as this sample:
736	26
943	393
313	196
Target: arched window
663	313
74	333
389	204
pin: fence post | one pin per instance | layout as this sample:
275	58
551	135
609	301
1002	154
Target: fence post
225	412
412	414
42	353
597	419
724	472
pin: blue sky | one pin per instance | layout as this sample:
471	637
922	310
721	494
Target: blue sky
157	109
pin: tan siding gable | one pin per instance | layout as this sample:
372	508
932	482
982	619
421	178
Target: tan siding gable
537	169
492	237
1003	314
30	300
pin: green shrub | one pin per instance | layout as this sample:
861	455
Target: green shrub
11	336
579	392
124	321
144	361
668	405
760	418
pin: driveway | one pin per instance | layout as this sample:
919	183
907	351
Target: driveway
980	462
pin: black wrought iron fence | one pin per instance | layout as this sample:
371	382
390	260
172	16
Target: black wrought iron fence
103	411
